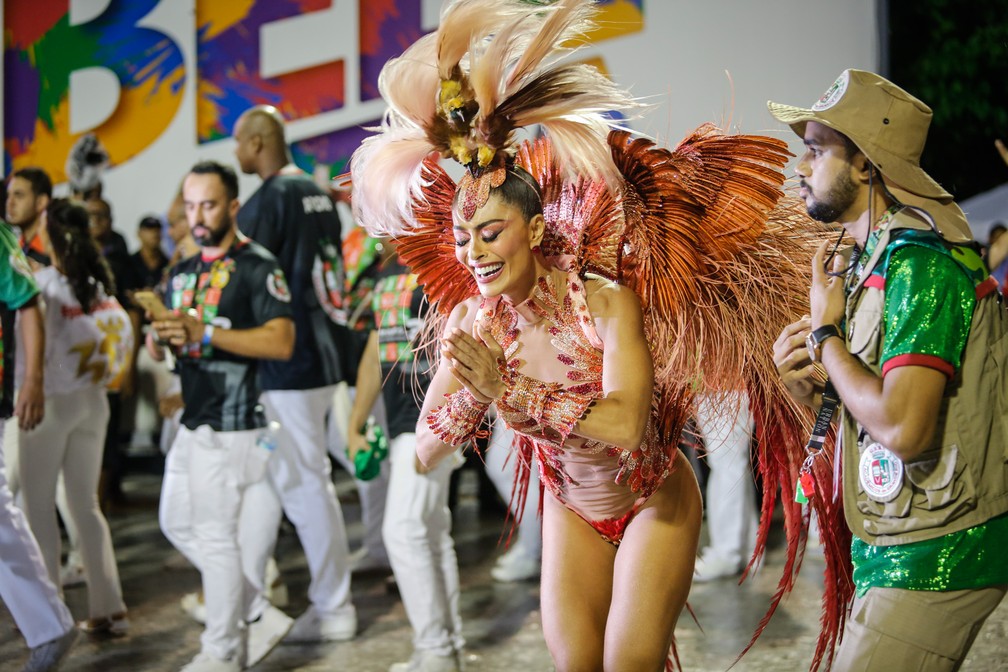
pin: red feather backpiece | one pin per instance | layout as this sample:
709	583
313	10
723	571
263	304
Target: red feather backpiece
720	260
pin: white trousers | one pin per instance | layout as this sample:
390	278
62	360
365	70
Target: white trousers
207	475
301	477
70	439
25	586
417	533
372	493
12	458
500	468
731	499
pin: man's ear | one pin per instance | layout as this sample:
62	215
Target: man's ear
537	226
863	166
257	143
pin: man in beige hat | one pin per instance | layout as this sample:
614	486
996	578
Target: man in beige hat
917	366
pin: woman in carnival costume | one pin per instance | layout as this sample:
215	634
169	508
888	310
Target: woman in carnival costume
589	286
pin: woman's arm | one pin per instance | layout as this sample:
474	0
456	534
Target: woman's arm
367	388
29	406
430	448
620	416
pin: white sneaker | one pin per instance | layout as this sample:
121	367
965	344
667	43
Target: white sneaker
515	565
313	627
266	632
426	661
47	655
204	662
710	567
192	604
71	574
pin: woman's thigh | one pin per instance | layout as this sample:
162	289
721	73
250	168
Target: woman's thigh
82	462
41	453
653	573
576	588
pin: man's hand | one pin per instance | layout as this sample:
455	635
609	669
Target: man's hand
826	295
794	367
30	406
180	330
356	442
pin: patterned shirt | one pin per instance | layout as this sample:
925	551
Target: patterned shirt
243	289
398	304
17	287
930	294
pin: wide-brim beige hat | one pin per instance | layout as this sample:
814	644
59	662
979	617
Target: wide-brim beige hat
890	127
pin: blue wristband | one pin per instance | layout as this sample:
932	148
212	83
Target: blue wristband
207	334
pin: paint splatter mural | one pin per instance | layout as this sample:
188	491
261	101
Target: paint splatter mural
42	48
228	35
387	28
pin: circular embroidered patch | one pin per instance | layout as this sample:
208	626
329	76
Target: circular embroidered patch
276	285
880	473
834	93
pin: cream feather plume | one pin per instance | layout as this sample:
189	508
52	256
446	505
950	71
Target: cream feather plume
409	82
569	19
390	162
465	22
491	68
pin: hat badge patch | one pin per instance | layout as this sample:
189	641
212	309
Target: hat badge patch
834	93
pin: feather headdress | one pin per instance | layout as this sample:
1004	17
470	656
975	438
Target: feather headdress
492	67
701	233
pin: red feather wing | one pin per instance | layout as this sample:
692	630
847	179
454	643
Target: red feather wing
428	249
721	263
583	220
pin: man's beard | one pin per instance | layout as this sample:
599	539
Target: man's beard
838	200
213	237
19	224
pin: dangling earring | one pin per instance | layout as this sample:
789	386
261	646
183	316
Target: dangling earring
536	250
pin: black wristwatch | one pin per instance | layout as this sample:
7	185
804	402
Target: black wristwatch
815	340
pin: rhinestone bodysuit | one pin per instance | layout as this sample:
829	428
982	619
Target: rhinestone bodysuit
553	339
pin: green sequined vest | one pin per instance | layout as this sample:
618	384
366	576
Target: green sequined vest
961	479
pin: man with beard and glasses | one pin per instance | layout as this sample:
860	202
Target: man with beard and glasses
230	309
911	332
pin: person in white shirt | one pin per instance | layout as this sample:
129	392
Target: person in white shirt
89	341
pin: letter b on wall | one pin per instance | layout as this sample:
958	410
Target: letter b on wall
41	52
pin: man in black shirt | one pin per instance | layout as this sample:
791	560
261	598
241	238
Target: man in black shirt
110	242
149	262
231	309
417	526
297	221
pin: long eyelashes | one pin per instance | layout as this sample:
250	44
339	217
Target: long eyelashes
486	239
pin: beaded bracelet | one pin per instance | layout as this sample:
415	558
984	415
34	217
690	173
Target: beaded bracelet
550	404
458	420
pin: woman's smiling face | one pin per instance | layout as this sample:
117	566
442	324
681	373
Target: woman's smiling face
496	246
